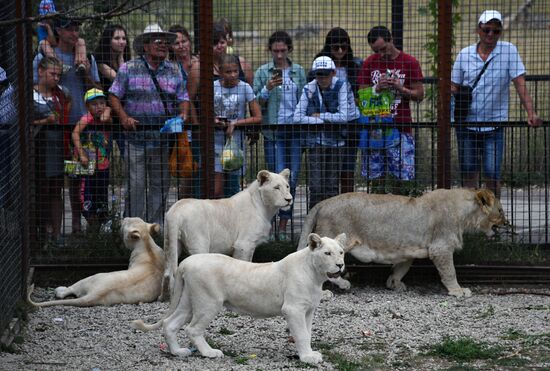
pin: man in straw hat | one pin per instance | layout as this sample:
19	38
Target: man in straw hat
490	99
147	105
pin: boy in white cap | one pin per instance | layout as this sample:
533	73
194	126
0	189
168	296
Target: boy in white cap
323	100
490	100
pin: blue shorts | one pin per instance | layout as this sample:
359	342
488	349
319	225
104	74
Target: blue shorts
399	160
475	146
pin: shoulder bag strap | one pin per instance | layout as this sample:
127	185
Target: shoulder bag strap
159	90
481	73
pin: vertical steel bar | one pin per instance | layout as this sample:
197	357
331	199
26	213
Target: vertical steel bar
206	94
444	45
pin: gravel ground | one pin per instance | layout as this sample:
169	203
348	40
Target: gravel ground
364	328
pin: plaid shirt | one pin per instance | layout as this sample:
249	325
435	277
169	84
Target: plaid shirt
134	86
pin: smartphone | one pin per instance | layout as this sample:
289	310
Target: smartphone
277	74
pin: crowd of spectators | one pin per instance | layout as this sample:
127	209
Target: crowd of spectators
109	99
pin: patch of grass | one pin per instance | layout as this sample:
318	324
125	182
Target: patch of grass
464	349
512	362
528	340
226	331
241	360
488	312
340	362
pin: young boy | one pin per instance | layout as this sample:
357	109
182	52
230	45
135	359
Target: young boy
92	143
323	100
47	40
231	98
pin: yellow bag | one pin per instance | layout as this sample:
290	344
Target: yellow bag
181	164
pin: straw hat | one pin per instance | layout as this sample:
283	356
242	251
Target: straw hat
152	31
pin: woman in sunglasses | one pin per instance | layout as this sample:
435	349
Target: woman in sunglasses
338	48
493	64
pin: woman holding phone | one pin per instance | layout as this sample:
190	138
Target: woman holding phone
278	86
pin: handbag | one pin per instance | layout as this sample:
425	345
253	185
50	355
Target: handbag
464	95
181	163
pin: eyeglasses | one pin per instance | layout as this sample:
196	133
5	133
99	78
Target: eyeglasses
160	42
337	47
488	30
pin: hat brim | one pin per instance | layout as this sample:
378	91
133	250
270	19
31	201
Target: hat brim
138	41
322	72
95	96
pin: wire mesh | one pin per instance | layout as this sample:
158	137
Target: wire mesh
339	148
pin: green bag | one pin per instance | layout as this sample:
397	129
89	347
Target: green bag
232	156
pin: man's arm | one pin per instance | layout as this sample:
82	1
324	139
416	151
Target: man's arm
128	123
532	118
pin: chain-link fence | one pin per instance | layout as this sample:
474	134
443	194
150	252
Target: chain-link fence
374	117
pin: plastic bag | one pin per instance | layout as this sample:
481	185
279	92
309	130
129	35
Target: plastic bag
232	156
181	163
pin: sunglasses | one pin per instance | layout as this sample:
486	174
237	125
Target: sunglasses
337	47
488	30
160	42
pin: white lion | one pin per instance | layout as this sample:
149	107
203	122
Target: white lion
232	226
140	283
290	287
390	229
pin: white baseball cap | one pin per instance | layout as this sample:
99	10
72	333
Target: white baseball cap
324	64
490	15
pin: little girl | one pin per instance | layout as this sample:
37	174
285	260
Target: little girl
94	145
231	97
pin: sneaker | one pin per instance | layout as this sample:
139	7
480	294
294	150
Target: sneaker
283	237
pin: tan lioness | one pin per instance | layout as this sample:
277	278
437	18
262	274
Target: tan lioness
291	287
392	229
140	283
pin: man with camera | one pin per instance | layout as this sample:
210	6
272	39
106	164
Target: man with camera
488	67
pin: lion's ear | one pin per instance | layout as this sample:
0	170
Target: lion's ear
314	241
263	176
154	229
285	174
485	198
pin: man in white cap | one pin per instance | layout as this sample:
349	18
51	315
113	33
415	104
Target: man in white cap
147	105
323	100
489	100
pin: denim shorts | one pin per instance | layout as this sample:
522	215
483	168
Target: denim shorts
475	146
398	159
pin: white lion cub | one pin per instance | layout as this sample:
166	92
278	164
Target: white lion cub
232	226
290	287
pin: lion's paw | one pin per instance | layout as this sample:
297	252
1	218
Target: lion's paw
392	284
460	292
343	284
312	358
326	295
181	352
60	292
212	353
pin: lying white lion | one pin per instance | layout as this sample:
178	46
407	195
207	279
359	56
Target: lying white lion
290	287
231	226
391	229
139	284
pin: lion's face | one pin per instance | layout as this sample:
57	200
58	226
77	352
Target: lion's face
135	229
274	188
494	214
328	254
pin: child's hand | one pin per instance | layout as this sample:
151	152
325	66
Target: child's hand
83	159
106	116
51	119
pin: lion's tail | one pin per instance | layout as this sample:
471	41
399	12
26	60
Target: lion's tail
174	301
84	301
309	225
